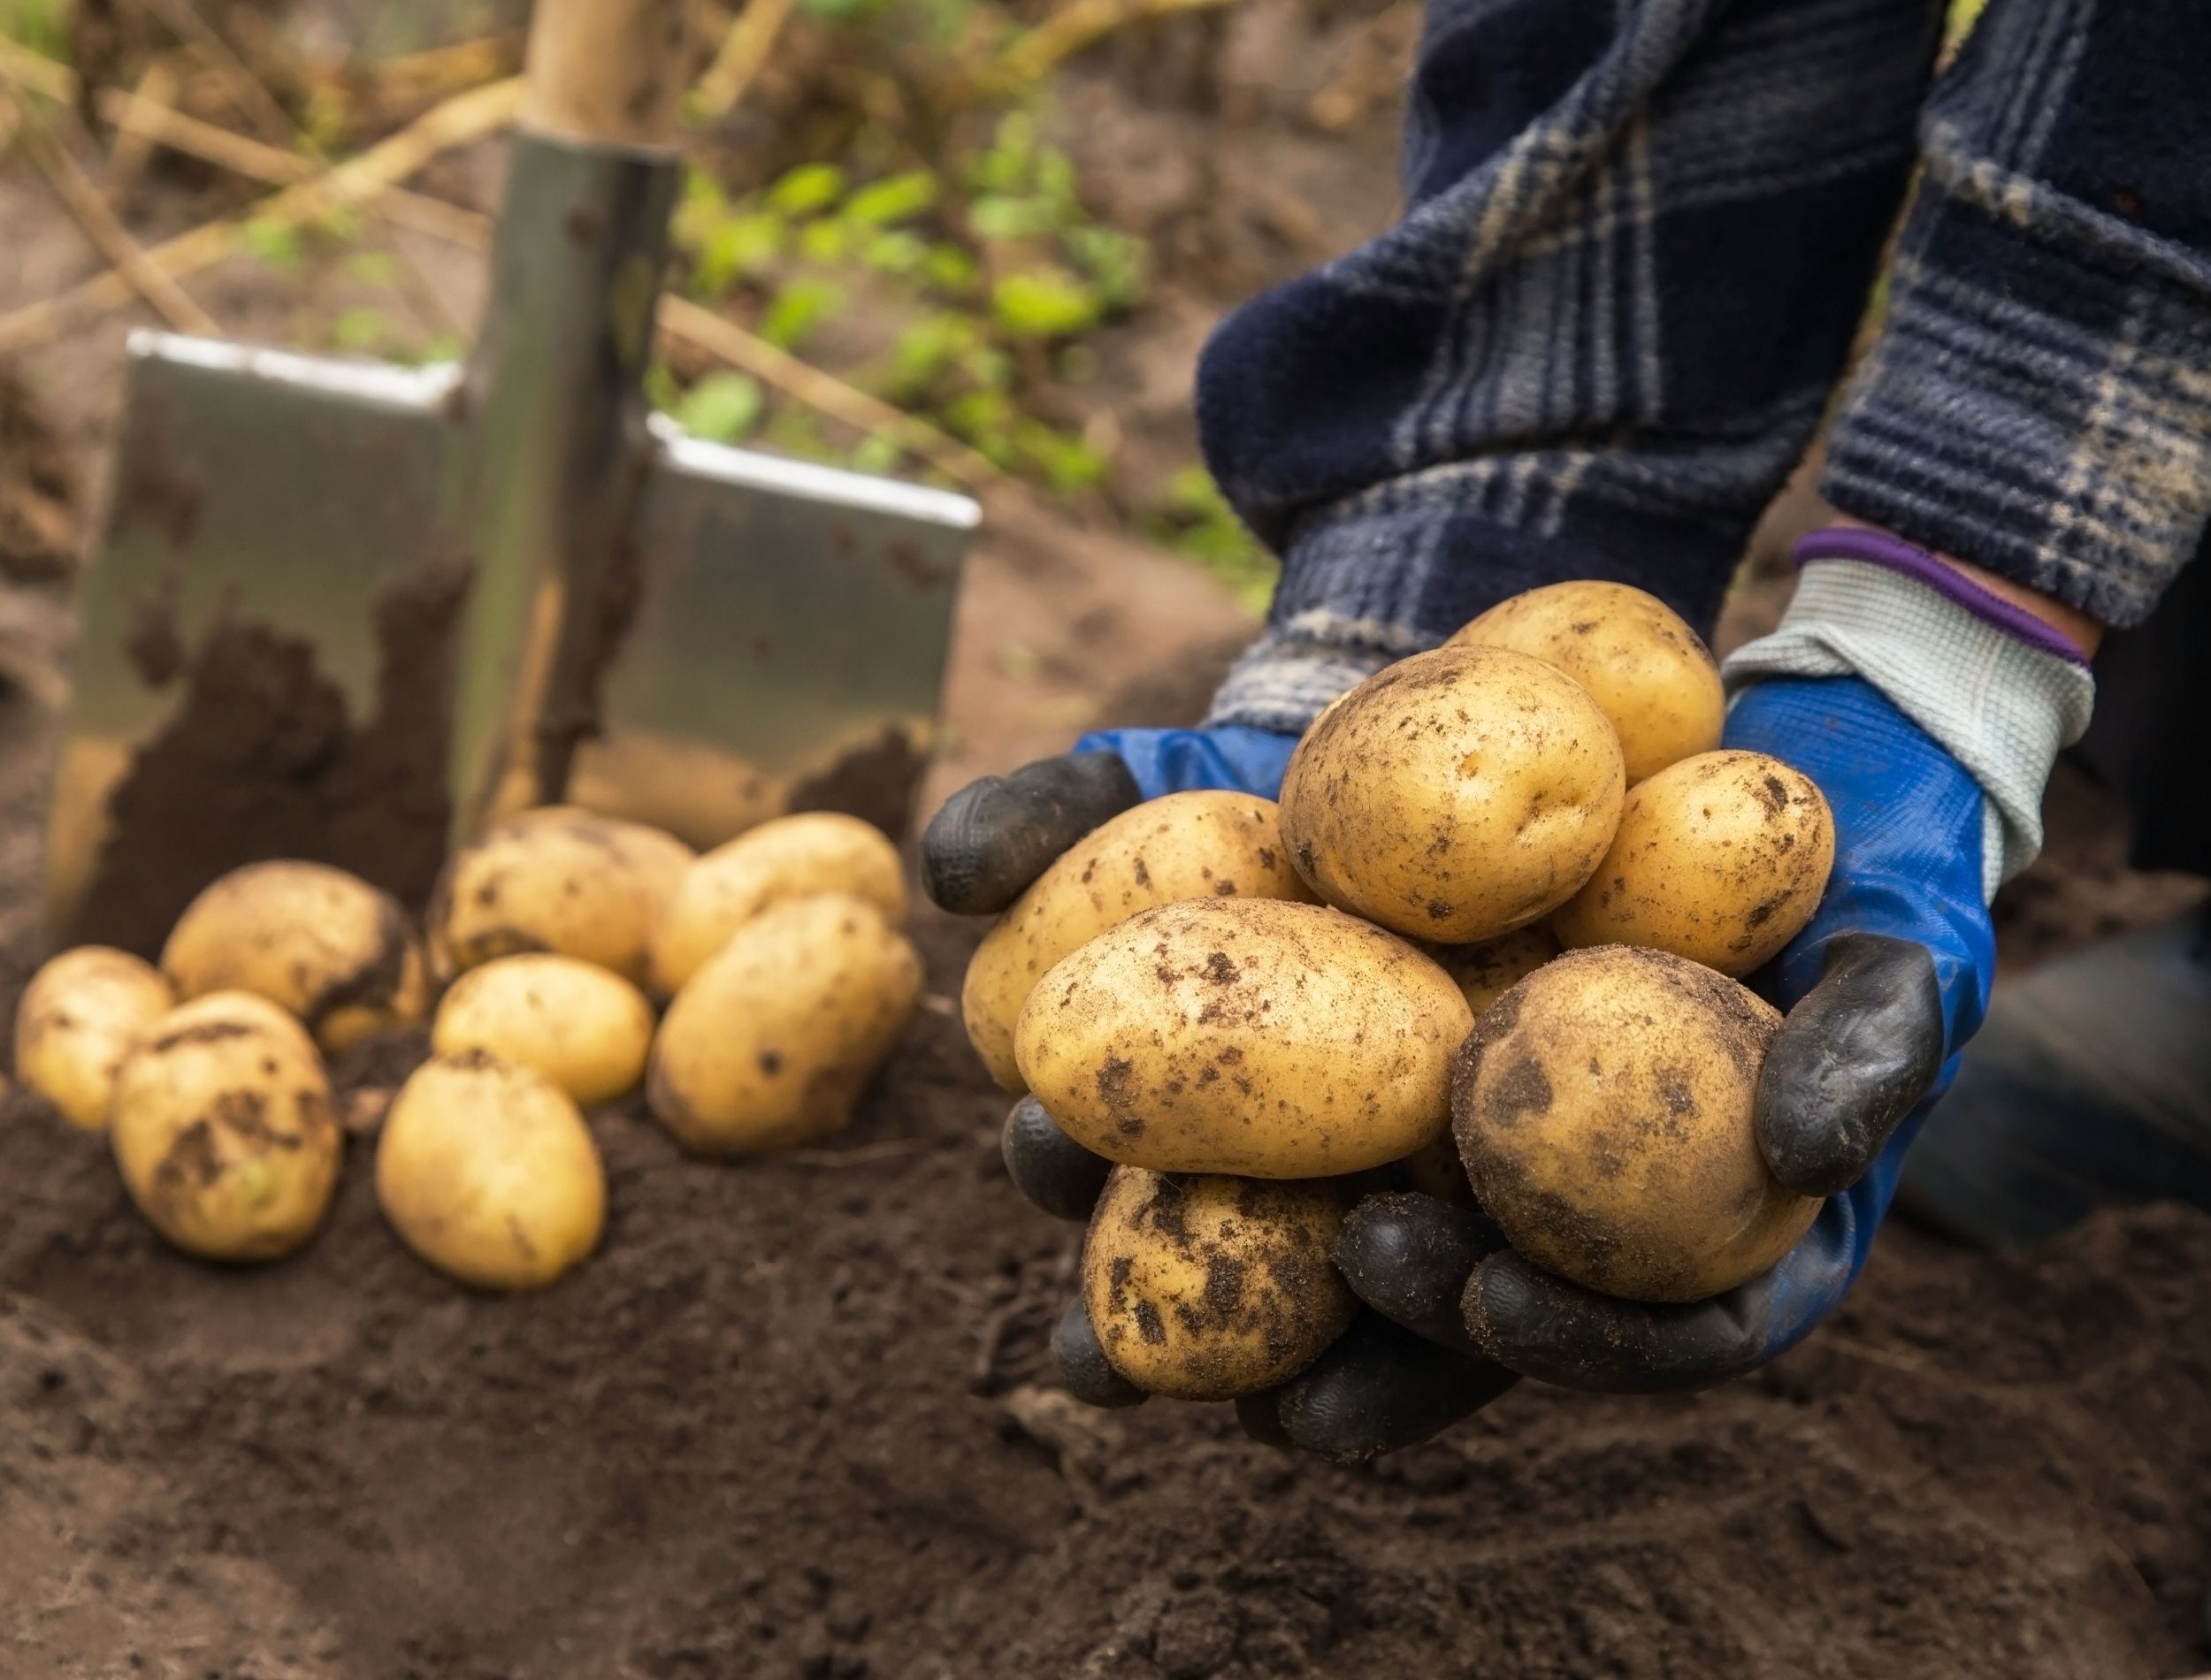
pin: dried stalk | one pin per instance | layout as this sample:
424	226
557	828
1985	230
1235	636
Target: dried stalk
1075	27
745	50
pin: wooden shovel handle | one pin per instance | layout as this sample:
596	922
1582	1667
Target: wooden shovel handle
604	73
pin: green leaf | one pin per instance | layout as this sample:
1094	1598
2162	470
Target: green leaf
1118	263
876	453
998	217
924	350
272	243
949	270
360	328
797	309
1065	462
742	248
896	252
1043	304
371	268
722	408
827	243
807	190
898	199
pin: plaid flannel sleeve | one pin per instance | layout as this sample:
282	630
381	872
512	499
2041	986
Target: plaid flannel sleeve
1640	236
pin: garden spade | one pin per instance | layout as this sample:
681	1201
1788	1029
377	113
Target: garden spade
350	611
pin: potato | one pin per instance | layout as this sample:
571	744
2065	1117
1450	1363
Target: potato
1603	1107
1638	658
1245	1035
769	1044
583	1027
1486	972
1185	845
816	852
486	1169
1456	796
557	879
1206	1287
222	1125
1720	859
78	1016
323	943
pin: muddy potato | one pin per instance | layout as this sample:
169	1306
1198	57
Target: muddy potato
222	1125
788	858
1205	1287
486	1169
1486	972
559	880
1245	1035
325	945
79	1015
1638	658
1185	845
1603	1107
583	1027
1456	796
1720	859
769	1044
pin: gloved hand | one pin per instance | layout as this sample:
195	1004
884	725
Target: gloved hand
1882	988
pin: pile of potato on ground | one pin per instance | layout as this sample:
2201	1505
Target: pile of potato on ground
780	953
1249	1009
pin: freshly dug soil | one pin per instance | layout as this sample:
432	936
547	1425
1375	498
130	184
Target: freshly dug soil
787	1423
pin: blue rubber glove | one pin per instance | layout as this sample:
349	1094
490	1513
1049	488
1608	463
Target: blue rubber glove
1870	1040
1243	761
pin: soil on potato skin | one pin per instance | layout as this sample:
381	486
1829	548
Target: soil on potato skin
787	1423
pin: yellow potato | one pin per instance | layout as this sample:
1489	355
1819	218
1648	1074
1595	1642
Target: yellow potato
1720	859
788	857
1209	1288
583	1027
222	1125
770	1043
558	879
323	943
1638	658
1185	845
1603	1110
1245	1035
487	1171
1456	796
81	1013
1486	972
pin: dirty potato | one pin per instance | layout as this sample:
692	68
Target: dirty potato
79	1015
1720	859
788	858
1245	1035
1638	658
325	945
1186	845
558	879
222	1125
1456	796
1603	1107
583	1027
1205	1287
769	1044
487	1171
1486	972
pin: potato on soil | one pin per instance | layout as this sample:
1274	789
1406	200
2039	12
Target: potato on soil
1456	796
325	945
1638	658
222	1125
770	1043
1206	1287
1720	859
1186	845
486	1169
81	1013
559	880
788	858
1245	1035
1486	972
583	1027
1603	1110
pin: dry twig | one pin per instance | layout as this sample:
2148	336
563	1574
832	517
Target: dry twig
246	90
745	50
131	149
1082	24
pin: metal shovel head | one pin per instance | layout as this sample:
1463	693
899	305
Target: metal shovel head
263	660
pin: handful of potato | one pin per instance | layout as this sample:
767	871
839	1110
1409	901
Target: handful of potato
1244	1004
790	984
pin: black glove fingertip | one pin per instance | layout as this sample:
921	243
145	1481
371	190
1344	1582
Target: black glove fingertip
1079	1358
1407	1256
995	835
1259	1416
1381	1387
1057	1174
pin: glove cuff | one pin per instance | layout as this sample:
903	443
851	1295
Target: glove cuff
2001	692
1283	680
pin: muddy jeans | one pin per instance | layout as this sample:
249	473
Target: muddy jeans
1641	236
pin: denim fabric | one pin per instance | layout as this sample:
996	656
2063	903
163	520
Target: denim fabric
1640	237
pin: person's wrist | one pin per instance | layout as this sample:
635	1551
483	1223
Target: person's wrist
2085	634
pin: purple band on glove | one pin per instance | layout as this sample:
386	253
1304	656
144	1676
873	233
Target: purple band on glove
1893	554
